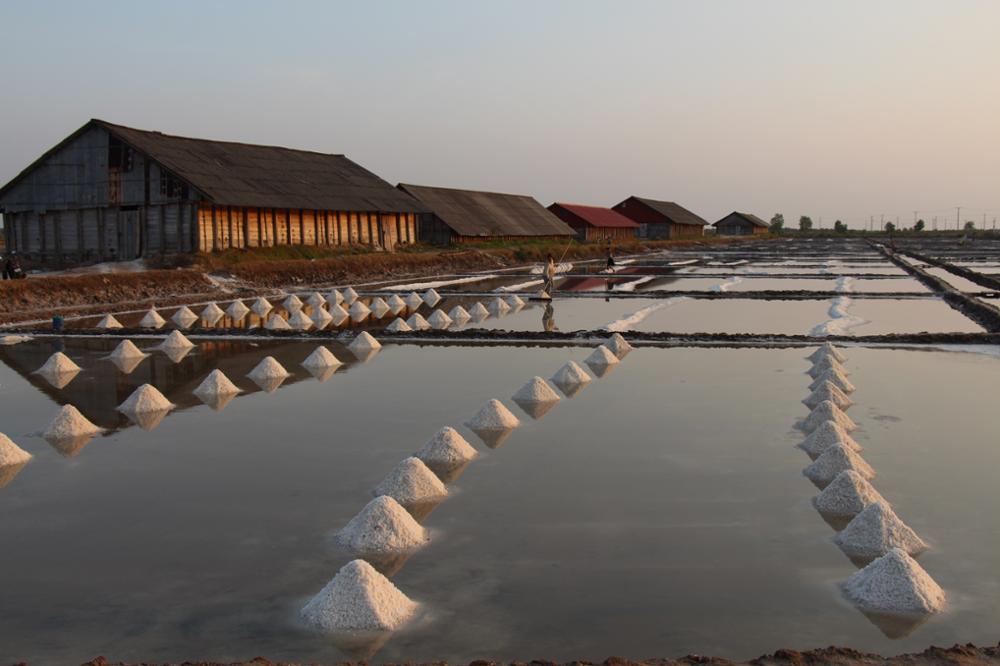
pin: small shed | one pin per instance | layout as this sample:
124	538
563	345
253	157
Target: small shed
595	223
740	224
461	216
661	219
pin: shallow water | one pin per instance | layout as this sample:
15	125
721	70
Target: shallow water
693	533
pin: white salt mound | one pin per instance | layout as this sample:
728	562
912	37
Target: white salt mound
109	322
535	391
836	378
350	295
176	340
268	368
216	384
11	453
237	310
827	349
417	322
69	423
514	301
413	300
827	391
498	306
827	363
358	598
601	357
411	482
479	311
184	316
321	358
618	345
847	495
877	530
379	306
364	343
212	312
261	306
152	319
398	326
493	416
359	309
382	527
334	298
277	323
439	319
292	303
58	364
834	460
827	434
827	411
338	313
316	300
127	349
396	303
895	583
321	318
570	375
144	400
300	321
447	448
431	297
459	314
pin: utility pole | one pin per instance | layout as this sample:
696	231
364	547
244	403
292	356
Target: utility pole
881	223
914	218
871	222
958	215
934	223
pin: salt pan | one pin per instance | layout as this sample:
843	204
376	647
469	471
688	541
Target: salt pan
498	306
268	368
877	530
277	323
431	297
350	295
895	583
446	448
358	598
417	322
184	317
618	345
382	527
321	358
176	340
834	377
827	411
439	319
846	496
493	416
478	312
827	349
108	322
364	343
827	391
827	434
212	313
300	321
834	460
237	310
414	301
412	482
398	326
601	358
152	319
10	453
459	314
70	424
292	303
261	307
825	364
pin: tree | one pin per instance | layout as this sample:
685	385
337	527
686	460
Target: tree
777	223
805	223
970	226
919	226
890	227
839	227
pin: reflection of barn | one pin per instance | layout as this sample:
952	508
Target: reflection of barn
595	223
109	192
661	219
740	224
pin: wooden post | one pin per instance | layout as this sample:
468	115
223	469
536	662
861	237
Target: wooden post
79	235
215	228
57	232
246	228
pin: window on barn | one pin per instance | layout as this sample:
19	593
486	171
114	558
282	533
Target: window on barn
119	155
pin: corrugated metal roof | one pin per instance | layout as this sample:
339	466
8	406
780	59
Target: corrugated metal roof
674	212
597	216
749	217
472	213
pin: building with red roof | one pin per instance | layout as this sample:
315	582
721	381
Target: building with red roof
594	223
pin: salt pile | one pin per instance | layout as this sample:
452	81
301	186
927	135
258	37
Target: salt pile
827	411
358	598
145	400
277	323
261	306
571	378
431	297
215	385
321	358
316	300
411	482
338	314
58	364
493	416
350	295
379	307
827	363
827	349
396	304
847	496
834	460
127	349
212	313
895	583
321	318
359	311
108	322
184	317
152	319
398	326
827	434
877	530
176	340
237	310
268	369
382	527
300	321
459	314
364	343
11	453
827	391
618	345
478	312
439	319
536	397
498	306
334	298
292	303
601	358
446	448
514	301
69	424
417	322
836	378
413	300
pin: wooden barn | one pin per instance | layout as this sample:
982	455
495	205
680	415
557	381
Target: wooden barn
462	216
109	192
740	224
595	223
661	219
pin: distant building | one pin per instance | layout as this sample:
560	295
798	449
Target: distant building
661	219
740	224
594	223
461	216
109	192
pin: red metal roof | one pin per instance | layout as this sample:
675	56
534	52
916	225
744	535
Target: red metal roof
596	216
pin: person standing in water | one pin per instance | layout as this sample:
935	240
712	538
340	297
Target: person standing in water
550	275
611	258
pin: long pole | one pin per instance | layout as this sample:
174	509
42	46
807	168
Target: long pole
958	214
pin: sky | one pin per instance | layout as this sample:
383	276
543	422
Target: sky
836	110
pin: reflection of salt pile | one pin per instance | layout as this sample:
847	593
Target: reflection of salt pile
379	307
536	397
10	453
836	378
601	359
349	295
184	317
316	300
321	358
439	319
877	530
827	434
431	297
364	343
396	304
334	298
828	391
237	310
398	326
108	322
514	301
834	460
277	323
338	314
446	449
214	386
268	369
152	319
417	322
459	314
292	303
826	363
478	312
146	407
827	349
571	379
358	598
300	321
359	311
411	482
261	306
498	306
413	300
847	496
382	527
176	340
895	583
827	411
618	345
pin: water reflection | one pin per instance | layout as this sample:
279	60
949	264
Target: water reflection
8	472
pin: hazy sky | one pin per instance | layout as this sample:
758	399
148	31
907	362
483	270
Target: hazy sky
836	109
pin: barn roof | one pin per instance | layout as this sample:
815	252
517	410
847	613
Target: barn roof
749	217
597	216
242	174
674	212
472	213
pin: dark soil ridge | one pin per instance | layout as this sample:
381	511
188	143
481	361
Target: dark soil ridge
961	271
957	655
763	295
